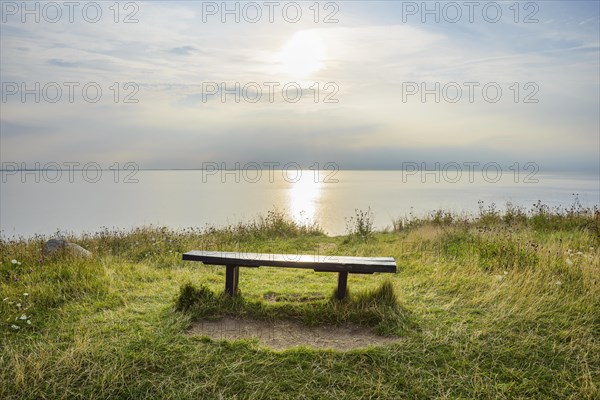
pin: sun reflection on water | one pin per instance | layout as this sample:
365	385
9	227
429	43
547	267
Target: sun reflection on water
303	197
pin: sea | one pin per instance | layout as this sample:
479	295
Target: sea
46	203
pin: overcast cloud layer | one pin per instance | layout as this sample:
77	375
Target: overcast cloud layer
371	57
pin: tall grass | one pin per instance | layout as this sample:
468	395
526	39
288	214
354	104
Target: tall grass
360	225
539	217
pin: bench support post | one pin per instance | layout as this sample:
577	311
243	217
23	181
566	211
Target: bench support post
232	274
342	282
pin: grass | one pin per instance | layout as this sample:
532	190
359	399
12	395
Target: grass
377	308
503	304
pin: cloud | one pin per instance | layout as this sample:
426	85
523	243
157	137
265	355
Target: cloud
184	50
369	55
63	64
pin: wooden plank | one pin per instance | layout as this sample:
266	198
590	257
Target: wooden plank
320	263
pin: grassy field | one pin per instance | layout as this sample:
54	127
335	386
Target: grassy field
496	305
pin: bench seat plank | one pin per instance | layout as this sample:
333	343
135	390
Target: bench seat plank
320	263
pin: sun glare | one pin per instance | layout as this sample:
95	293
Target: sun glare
303	197
302	55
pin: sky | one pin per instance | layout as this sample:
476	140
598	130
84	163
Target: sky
364	85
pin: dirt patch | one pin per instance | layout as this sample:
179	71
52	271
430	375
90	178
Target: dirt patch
281	335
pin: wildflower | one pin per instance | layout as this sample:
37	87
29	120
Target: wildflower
25	294
15	327
505	272
23	317
28	322
558	283
14	261
569	262
18	305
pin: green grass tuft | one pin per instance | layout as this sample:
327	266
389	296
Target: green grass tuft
377	308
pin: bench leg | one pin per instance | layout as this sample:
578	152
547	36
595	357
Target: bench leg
232	274
342	282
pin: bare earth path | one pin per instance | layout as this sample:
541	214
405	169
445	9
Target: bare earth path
281	335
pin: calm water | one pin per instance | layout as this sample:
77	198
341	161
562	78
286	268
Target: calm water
188	198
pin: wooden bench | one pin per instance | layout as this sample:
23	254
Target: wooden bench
319	263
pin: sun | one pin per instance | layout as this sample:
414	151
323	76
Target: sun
302	55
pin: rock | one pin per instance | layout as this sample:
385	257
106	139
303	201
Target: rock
61	246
